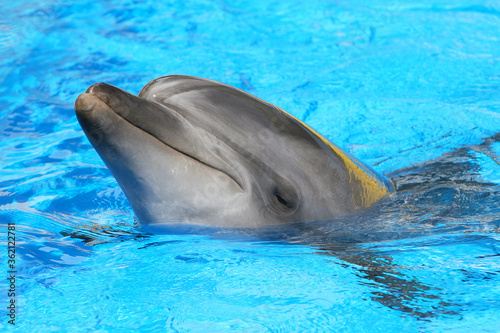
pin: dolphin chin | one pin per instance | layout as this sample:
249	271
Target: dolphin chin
192	150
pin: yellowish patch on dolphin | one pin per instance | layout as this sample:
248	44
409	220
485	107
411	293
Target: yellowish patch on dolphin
367	188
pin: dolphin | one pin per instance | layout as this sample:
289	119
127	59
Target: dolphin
195	151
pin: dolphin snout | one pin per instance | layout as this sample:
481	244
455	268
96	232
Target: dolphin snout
92	113
97	87
95	94
105	92
84	103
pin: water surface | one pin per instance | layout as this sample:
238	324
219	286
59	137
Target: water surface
409	87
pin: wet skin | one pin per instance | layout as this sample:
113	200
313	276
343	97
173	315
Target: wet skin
192	150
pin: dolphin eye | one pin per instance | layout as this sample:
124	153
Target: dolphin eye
284	201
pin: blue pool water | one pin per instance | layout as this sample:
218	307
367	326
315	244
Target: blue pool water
409	87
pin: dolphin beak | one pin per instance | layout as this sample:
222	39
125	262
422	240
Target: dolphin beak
92	113
102	103
156	120
87	101
96	96
84	103
104	109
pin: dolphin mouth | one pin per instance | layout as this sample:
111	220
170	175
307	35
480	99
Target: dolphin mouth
99	95
103	96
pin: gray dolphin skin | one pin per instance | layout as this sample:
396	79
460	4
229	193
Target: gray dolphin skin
192	150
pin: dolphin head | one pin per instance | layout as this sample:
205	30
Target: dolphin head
192	150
